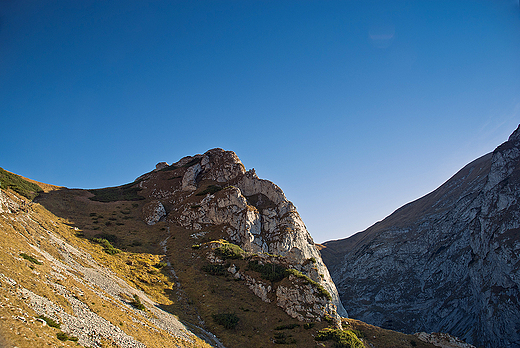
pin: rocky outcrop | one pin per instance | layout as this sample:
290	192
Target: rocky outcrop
153	212
448	262
215	191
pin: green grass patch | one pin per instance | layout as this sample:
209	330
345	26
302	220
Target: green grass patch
230	251
31	259
107	247
228	320
49	321
128	192
62	336
341	338
136	303
18	184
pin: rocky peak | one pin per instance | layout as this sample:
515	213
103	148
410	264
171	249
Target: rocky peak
216	192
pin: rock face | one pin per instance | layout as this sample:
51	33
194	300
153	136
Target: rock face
448	262
214	191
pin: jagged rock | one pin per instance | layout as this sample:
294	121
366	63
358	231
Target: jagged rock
189	180
153	212
161	165
447	262
254	213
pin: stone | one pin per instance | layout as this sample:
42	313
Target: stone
153	212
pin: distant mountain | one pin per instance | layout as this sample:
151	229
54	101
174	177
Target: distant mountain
447	262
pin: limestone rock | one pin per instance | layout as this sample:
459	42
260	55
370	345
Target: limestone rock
217	192
153	212
189	180
161	165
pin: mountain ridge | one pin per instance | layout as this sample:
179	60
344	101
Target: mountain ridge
445	262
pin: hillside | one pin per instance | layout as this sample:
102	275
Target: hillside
447	262
195	254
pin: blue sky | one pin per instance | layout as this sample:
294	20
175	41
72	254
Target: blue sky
353	108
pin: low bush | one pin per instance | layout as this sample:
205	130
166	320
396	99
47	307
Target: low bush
31	259
62	336
216	270
342	338
282	338
107	247
136	303
269	271
230	251
50	322
228	320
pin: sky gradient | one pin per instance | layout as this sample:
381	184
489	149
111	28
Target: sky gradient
353	108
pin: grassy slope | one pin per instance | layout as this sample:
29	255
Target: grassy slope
16	236
76	218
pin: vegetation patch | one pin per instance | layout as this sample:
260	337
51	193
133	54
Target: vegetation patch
136	303
268	271
31	259
49	321
128	192
216	270
308	326
342	338
282	338
211	189
18	184
321	290
228	320
287	327
62	336
230	251
107	247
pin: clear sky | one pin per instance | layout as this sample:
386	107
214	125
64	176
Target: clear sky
353	108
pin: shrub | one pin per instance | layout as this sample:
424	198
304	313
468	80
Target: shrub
160	265
31	259
136	303
107	247
342	339
269	271
62	336
228	320
308	326
282	338
230	251
216	270
18	184
50	322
